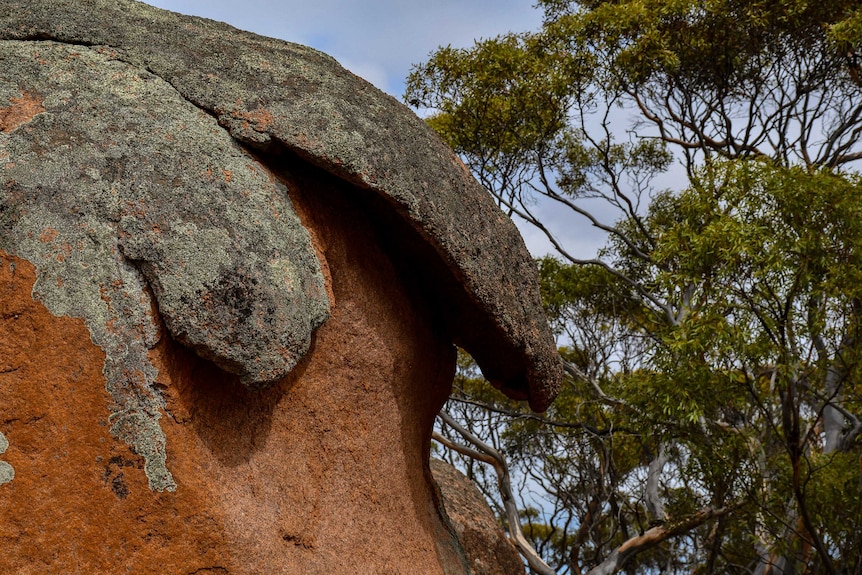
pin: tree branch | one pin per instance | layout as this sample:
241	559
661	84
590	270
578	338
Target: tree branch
538	418
486	453
657	535
576	372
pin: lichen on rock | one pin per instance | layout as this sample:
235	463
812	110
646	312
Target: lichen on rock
272	95
7	472
124	195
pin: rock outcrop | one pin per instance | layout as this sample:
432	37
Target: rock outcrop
276	97
487	550
231	275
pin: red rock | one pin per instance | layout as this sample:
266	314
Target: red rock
324	472
227	313
486	548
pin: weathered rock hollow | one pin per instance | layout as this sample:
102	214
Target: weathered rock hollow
232	275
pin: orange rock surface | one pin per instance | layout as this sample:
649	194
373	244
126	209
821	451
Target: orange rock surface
326	472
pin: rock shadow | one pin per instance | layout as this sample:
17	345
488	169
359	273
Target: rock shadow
232	420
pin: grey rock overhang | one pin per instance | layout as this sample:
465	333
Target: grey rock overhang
269	93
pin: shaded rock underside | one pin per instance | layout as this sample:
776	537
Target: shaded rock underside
274	98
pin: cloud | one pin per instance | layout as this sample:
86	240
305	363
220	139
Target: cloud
574	232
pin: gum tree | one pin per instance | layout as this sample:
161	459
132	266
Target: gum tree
712	418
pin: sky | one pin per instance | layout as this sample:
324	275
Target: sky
380	40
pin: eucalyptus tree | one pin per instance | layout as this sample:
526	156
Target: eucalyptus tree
713	415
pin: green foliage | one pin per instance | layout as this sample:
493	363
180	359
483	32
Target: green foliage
769	260
715	337
716	45
498	103
509	88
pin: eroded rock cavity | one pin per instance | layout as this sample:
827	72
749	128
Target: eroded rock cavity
231	276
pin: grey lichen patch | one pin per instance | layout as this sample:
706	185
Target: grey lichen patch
142	433
121	191
7	472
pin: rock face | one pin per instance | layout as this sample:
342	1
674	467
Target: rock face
487	550
275	97
231	276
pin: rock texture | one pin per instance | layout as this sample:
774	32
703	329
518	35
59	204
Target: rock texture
273	95
116	186
231	274
323	472
487	550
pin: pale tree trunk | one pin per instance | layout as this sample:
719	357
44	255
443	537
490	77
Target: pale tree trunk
772	565
833	419
652	498
484	452
652	537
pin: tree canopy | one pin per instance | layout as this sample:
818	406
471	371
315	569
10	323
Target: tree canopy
712	418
